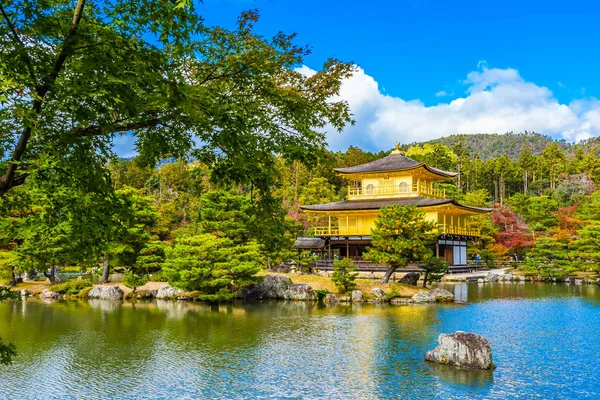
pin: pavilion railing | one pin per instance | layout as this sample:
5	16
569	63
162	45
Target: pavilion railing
442	229
415	190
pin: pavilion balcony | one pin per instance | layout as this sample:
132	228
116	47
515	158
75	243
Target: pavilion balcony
445	229
442	229
335	230
375	192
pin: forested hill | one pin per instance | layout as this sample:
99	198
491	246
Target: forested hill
493	145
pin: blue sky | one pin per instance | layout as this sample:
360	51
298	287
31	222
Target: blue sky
433	68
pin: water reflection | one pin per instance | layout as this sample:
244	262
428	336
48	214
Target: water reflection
166	349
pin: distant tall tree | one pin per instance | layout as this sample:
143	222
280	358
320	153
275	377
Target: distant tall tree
462	156
401	236
526	163
553	163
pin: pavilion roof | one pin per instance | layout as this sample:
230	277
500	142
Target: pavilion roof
391	163
375	204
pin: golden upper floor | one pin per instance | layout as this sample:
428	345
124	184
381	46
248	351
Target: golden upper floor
394	176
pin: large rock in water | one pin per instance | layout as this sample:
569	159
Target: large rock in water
106	293
167	292
300	291
441	295
331	298
463	350
271	287
410	278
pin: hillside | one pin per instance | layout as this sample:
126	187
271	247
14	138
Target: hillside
492	145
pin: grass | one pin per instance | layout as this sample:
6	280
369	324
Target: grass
366	286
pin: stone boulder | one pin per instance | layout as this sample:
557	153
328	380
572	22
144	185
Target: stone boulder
441	295
410	278
480	280
401	300
423	297
47	295
273	286
463	350
24	293
167	292
508	277
357	296
331	299
106	293
300	291
378	293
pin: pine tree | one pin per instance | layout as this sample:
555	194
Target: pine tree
343	275
216	267
549	257
586	249
401	236
526	163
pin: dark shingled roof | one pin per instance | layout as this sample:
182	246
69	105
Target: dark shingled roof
309	243
393	162
376	204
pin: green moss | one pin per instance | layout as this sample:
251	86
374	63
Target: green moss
71	287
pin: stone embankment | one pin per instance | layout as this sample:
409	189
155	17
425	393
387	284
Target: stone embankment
272	286
463	350
509	277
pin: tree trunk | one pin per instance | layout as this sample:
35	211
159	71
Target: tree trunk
525	181
52	275
106	270
388	274
425	276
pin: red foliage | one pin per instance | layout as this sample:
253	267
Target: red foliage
513	234
568	223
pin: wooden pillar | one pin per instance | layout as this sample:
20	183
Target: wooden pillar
437	250
329	224
347	247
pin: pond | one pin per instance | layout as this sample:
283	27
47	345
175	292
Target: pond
544	338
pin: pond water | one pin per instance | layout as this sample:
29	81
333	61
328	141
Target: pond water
544	338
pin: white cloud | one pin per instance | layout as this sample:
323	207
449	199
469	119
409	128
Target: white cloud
495	101
441	93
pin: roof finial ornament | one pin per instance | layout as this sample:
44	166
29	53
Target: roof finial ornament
397	150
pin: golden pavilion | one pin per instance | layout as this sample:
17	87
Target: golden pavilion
395	179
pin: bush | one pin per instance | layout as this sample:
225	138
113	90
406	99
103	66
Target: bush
71	287
157	277
133	280
343	275
321	293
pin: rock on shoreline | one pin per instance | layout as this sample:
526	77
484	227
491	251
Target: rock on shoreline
463	350
106	293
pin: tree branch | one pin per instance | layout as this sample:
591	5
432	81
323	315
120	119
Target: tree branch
7	181
20	42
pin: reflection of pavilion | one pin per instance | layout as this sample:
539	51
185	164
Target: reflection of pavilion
395	179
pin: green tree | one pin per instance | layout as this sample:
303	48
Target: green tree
226	214
461	150
549	257
401	236
151	257
433	269
231	98
134	279
586	249
552	163
131	229
526	163
215	266
343	275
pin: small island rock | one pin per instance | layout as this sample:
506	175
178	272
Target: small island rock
410	278
441	295
300	291
106	293
273	286
357	296
47	295
379	293
463	350
167	292
331	298
423	297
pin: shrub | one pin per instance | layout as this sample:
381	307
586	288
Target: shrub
133	280
71	287
344	275
157	277
321	293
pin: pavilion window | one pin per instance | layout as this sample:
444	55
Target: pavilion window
370	189
403	187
